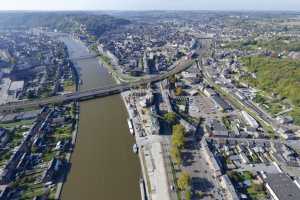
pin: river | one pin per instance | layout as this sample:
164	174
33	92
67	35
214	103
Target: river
103	165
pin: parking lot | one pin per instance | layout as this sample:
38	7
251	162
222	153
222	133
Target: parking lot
203	180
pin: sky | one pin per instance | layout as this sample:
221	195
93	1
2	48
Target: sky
150	5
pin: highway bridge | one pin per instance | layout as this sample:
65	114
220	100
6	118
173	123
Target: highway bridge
96	92
84	57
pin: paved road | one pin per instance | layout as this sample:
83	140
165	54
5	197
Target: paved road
264	116
202	176
256	140
96	92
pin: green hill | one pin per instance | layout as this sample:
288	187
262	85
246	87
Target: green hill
279	76
63	21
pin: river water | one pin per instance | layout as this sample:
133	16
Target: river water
103	165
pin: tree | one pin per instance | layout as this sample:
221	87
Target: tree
258	187
188	194
178	136
178	91
176	154
183	180
172	79
170	117
31	94
178	128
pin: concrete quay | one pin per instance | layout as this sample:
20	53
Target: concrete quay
153	158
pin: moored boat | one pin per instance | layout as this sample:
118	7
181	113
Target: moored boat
130	125
135	148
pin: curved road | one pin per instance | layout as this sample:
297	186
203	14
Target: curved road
96	92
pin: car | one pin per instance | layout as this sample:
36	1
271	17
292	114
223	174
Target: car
172	187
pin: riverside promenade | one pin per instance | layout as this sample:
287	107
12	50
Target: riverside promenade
154	158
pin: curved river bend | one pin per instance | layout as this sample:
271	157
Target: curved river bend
103	165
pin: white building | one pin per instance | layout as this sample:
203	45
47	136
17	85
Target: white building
209	92
250	120
15	87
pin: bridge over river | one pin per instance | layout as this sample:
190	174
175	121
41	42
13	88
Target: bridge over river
96	92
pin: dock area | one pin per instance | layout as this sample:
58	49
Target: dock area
153	156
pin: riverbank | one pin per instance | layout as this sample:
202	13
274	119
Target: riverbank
153	151
144	193
69	155
102	144
74	132
144	180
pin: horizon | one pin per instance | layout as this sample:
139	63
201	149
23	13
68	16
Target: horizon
154	10
153	5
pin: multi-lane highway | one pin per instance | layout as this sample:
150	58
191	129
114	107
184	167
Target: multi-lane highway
96	92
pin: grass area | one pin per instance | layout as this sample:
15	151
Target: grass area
240	177
254	158
240	106
69	86
121	77
30	188
280	44
272	106
31	193
15	124
256	191
277	44
48	156
5	155
63	133
226	122
296	115
247	175
276	77
105	59
16	139
46	91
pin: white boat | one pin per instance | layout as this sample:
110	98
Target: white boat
130	125
135	148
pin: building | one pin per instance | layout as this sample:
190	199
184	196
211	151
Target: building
285	119
217	129
209	92
249	120
4	191
187	75
211	159
281	187
221	103
15	87
4	137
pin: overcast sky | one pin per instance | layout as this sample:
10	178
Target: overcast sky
149	4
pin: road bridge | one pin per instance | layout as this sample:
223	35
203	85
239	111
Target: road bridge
95	92
84	57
